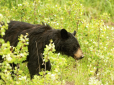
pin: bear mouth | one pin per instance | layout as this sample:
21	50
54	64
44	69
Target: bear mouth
78	58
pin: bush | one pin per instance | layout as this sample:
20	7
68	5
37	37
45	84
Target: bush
93	33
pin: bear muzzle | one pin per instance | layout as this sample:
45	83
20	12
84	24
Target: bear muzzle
78	55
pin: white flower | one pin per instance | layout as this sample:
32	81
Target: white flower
62	18
22	78
9	57
58	54
22	54
94	81
112	28
86	26
5	70
53	76
57	23
107	26
27	43
1	16
19	4
3	33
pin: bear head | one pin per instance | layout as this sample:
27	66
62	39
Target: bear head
69	45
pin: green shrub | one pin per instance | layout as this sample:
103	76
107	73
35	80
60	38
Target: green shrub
90	20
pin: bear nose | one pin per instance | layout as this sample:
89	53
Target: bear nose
82	57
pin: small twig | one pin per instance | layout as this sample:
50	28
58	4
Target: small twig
77	25
98	38
45	66
96	72
38	57
34	11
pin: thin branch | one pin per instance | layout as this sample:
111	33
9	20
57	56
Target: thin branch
38	56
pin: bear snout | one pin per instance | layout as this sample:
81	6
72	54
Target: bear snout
78	55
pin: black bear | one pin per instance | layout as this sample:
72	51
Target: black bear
65	42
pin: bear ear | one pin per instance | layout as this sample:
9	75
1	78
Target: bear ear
74	33
64	34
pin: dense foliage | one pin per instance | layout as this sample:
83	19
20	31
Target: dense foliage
93	21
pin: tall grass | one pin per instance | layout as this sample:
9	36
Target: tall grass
88	18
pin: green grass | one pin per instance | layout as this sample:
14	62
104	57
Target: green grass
90	18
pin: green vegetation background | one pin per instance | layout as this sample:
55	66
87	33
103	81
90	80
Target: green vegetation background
94	22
